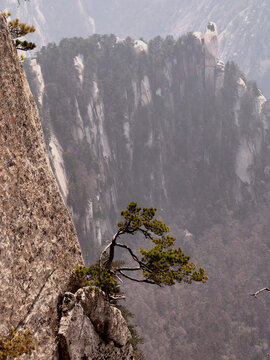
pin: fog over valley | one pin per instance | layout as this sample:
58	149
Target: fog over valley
157	104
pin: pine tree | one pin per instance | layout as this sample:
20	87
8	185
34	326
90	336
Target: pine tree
161	265
17	30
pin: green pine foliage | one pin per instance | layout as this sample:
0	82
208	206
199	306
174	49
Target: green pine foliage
162	264
24	45
102	280
17	30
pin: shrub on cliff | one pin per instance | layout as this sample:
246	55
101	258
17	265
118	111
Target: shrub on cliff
16	343
103	280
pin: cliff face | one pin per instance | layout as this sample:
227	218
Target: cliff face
38	244
169	125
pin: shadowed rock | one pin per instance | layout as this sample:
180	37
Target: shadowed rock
91	328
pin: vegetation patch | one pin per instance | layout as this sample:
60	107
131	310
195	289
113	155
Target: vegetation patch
16	343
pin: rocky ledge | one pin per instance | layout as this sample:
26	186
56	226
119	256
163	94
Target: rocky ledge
92	329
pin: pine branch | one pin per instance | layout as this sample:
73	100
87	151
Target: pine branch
128	269
110	246
135	257
138	280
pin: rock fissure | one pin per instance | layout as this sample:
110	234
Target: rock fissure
24	320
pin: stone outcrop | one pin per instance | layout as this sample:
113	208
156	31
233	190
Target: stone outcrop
211	44
38	243
91	328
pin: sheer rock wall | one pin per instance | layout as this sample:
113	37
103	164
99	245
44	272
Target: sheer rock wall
38	243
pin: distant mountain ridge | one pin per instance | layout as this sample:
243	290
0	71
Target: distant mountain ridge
243	25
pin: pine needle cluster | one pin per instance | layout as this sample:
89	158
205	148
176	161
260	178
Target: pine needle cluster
102	280
17	30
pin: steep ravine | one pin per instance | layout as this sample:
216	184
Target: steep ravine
38	244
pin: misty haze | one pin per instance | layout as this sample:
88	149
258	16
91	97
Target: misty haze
162	103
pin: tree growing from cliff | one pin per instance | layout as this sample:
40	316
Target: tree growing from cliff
17	30
162	264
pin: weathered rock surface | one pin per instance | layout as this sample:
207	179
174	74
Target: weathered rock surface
38	243
91	328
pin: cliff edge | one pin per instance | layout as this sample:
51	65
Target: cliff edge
38	243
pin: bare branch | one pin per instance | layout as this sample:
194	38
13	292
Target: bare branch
128	269
139	280
21	48
135	257
259	291
103	253
119	279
